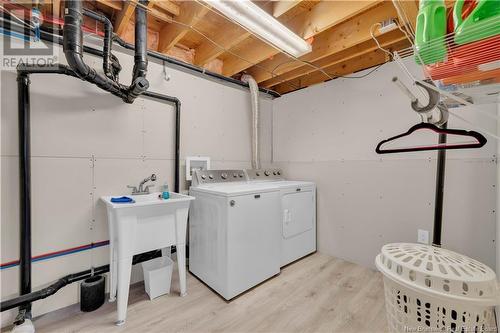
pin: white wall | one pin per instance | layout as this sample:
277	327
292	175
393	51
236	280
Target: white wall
87	143
328	133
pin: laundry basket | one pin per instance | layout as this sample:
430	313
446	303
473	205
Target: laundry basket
430	289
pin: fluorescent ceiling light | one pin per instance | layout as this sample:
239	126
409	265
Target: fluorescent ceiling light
256	20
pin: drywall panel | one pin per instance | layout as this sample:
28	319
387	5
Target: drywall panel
328	133
87	143
61	202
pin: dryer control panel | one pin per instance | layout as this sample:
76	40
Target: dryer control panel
265	174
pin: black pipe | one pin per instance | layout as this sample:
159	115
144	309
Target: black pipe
23	99
47	36
177	105
27	299
438	206
139	83
141	42
107	42
73	51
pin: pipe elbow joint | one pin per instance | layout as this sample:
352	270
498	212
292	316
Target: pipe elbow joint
139	86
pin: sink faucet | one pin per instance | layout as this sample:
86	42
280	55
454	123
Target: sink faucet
143	189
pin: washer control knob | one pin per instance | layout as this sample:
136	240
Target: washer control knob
235	175
203	177
232	203
267	173
241	175
257	173
275	173
223	176
211	176
279	173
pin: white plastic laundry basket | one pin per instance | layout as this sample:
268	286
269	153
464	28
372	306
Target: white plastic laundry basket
430	289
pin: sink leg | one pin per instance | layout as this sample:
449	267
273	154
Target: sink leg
124	270
113	274
181	263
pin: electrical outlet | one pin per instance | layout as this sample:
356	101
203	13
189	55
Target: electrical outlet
423	236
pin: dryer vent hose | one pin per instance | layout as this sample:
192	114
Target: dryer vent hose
254	94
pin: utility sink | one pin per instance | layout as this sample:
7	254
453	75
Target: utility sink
149	223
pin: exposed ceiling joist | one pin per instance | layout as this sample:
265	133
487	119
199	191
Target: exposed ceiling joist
336	39
386	40
234	35
190	13
168	6
281	7
361	62
116	5
320	18
409	11
124	17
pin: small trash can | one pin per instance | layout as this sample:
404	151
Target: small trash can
430	289
157	276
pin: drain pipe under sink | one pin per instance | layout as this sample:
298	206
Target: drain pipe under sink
254	94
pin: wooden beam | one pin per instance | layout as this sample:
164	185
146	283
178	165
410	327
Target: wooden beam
321	17
116	5
233	35
386	40
336	39
283	6
190	13
56	8
124	17
409	11
167	6
361	62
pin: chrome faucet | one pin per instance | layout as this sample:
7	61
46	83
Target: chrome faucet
141	189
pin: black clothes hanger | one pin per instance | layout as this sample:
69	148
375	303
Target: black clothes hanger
480	140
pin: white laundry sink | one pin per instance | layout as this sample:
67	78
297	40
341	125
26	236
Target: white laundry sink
149	223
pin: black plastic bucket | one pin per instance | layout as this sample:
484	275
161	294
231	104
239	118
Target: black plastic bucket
92	293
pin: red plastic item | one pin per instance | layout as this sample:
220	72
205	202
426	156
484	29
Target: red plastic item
465	59
469	6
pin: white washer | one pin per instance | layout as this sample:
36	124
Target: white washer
233	231
298	213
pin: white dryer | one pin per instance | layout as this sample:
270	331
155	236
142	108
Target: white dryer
233	231
298	213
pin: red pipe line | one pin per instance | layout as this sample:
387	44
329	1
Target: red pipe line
58	253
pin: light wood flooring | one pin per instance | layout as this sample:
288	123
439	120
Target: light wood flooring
316	294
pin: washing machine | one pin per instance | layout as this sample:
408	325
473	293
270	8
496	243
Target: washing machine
298	213
234	231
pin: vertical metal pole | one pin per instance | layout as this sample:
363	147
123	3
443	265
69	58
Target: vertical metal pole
438	206
177	185
23	99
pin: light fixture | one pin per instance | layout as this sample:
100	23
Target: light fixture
257	21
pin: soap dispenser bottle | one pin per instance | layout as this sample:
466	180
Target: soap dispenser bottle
164	191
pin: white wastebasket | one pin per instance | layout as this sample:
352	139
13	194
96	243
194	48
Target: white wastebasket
430	289
157	276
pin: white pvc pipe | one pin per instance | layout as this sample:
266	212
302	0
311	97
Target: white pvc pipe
254	94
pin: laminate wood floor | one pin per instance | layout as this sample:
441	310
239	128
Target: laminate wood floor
316	294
